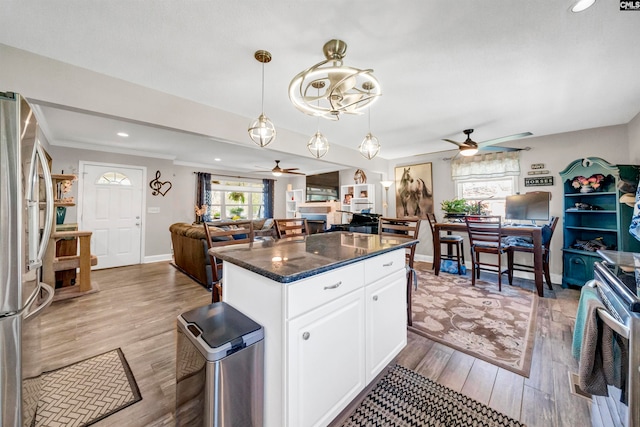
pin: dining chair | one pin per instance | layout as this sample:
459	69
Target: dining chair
450	241
240	232
547	234
404	228
291	227
485	238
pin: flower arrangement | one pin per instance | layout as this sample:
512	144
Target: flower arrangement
200	211
588	184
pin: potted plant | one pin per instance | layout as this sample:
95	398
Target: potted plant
455	208
478	208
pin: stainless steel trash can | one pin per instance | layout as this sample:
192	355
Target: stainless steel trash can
219	368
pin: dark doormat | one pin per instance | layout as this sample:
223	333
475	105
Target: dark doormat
86	392
405	398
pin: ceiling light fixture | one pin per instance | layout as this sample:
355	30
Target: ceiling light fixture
370	146
123	134
468	151
581	5
262	131
343	93
318	145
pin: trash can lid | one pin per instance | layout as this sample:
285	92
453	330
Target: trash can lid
220	324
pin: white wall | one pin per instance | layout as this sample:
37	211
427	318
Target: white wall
633	133
555	151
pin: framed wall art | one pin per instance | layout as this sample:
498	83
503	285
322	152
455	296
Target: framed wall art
414	190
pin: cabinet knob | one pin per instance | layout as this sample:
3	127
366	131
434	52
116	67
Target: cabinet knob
389	264
375	297
306	335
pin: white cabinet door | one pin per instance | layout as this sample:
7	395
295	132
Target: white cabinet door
386	325
325	354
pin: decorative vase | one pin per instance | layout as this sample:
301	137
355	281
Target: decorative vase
586	189
61	211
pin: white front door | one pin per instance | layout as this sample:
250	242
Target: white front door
111	208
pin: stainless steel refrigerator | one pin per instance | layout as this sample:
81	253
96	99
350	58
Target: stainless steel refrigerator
26	218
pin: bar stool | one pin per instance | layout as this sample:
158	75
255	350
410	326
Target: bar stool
450	241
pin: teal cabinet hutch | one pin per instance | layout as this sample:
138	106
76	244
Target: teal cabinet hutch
594	218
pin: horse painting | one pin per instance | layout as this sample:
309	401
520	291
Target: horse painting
413	195
360	177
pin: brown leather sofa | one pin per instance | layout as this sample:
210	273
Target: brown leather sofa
190	246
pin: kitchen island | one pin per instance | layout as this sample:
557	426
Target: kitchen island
333	308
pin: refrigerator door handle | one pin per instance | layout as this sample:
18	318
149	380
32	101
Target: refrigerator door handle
34	211
50	292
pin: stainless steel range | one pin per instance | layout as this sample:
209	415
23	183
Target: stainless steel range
617	280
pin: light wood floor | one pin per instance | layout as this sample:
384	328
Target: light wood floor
136	310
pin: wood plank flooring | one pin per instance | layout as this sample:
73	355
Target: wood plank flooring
136	310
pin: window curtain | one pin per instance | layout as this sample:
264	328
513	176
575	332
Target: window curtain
269	197
203	193
493	165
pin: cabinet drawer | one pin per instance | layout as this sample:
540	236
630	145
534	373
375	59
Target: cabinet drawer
383	265
315	291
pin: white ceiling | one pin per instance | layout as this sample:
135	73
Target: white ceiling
499	66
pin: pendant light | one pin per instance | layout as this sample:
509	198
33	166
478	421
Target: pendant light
261	131
370	146
318	145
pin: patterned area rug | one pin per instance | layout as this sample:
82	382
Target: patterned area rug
494	326
405	398
86	392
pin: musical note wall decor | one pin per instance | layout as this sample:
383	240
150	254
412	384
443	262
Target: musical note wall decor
158	186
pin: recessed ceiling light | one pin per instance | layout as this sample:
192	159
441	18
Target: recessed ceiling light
217	159
123	134
581	5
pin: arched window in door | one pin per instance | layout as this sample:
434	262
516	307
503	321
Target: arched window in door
113	178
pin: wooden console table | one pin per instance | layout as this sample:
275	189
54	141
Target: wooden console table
534	232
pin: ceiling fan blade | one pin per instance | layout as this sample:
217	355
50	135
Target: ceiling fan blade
459	144
503	139
290	169
498	149
292	173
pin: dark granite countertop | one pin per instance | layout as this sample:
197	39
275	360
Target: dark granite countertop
296	258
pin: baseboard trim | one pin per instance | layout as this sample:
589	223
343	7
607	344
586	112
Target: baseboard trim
157	258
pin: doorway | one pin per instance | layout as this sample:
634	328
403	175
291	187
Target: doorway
111	200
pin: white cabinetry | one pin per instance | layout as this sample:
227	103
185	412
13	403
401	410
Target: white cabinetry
326	349
355	198
294	197
386	324
326	337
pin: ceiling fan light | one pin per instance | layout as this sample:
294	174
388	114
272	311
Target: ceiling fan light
262	131
468	152
582	5
276	173
318	145
370	146
344	93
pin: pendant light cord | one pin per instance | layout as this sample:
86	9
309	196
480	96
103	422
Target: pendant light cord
262	101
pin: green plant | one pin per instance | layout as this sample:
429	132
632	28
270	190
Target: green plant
455	206
478	208
237	211
237	196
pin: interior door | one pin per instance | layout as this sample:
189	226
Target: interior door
112	209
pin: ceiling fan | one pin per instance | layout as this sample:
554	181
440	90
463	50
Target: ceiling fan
277	170
469	147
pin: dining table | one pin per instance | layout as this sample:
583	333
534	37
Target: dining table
532	231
